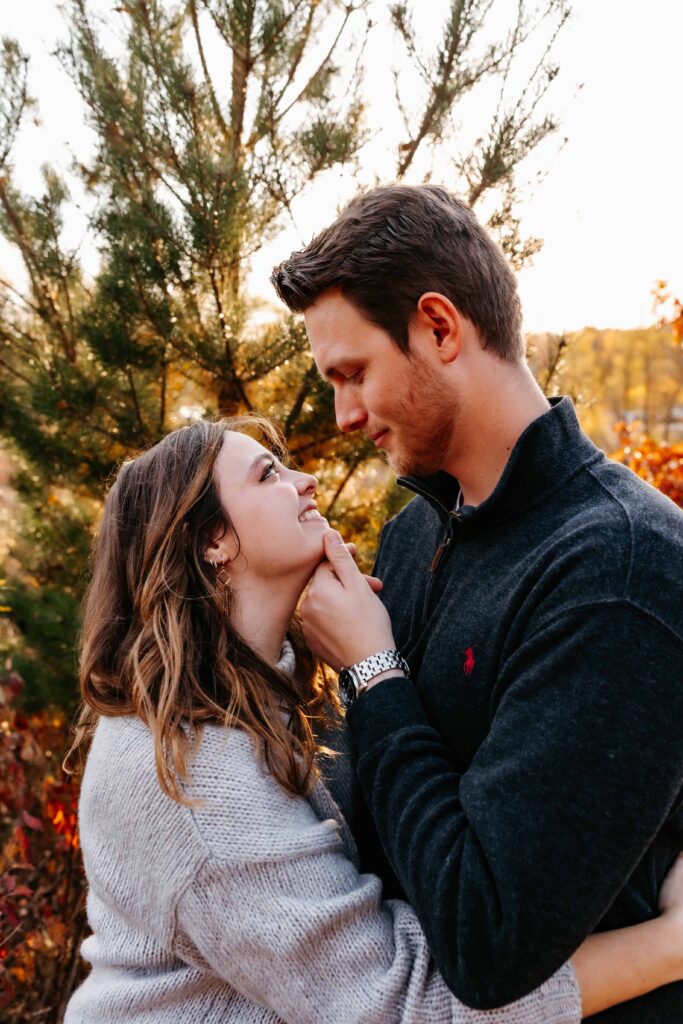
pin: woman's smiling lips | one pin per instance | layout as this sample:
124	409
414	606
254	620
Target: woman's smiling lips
310	513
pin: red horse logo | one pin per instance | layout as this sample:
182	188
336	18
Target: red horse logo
469	661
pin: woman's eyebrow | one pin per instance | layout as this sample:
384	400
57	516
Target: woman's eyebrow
259	458
269	456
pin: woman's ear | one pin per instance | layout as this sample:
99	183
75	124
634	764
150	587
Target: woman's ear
438	315
222	548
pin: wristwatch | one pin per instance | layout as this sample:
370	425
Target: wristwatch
353	681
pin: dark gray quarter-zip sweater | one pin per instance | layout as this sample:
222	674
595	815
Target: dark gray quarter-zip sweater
527	781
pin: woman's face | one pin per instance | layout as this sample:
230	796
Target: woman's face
272	509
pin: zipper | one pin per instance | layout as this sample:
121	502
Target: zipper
440	551
454	515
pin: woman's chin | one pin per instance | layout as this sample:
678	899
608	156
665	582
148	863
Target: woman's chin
315	550
313	531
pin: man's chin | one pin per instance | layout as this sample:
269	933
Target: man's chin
408	464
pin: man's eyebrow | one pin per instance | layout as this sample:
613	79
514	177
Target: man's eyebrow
335	369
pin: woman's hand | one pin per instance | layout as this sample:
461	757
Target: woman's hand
612	967
671	902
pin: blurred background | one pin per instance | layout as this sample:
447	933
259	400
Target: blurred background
156	159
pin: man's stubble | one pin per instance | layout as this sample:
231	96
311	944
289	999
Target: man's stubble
427	412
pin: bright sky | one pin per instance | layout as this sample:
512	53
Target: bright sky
608	209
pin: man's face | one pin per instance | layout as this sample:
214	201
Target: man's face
399	401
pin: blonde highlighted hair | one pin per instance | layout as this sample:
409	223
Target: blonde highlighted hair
156	638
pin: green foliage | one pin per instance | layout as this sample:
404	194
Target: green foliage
192	173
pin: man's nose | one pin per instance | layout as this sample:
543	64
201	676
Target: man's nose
350	413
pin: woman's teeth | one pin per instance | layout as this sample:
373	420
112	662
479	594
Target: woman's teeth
311	513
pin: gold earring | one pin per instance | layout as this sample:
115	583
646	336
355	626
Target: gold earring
223	581
223	576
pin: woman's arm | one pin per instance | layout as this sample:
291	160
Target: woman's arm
279	911
612	967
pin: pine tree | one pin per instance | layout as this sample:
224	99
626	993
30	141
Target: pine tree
188	181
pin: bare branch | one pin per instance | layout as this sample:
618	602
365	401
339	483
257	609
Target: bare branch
356	462
306	385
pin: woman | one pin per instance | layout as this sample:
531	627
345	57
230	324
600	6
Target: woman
223	877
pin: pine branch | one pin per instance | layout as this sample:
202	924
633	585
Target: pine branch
218	114
46	308
20	296
14	97
136	403
350	10
162	396
16	373
241	69
299	50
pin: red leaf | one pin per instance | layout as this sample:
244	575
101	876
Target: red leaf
32	822
8	910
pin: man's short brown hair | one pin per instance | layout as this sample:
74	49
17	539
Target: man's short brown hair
392	244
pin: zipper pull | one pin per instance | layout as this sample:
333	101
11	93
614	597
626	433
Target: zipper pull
438	554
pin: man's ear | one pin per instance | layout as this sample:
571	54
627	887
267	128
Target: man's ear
438	315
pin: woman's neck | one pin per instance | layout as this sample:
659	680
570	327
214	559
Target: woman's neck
262	612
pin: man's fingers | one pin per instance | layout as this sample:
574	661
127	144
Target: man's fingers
340	558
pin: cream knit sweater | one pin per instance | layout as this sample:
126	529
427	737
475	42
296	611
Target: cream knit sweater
249	908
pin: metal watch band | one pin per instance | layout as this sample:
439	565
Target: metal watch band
354	679
368	668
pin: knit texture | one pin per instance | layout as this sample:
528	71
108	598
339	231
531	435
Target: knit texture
248	907
530	771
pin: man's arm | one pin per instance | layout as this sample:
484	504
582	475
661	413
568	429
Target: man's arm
512	864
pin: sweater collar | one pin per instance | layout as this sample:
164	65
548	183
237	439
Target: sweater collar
547	454
287	660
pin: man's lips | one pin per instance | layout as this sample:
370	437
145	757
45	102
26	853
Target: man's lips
379	437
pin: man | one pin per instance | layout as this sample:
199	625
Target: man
526	778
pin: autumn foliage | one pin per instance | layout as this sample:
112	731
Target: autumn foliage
42	916
660	464
42	899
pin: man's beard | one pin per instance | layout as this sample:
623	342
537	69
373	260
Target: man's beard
427	413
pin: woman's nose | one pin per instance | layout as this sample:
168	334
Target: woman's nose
307	483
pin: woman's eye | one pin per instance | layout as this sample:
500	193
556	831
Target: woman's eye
270	470
356	376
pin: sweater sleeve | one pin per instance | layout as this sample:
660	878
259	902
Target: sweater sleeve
515	862
283	916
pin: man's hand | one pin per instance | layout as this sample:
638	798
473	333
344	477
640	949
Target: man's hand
343	619
373	582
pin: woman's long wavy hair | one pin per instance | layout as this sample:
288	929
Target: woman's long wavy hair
156	638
